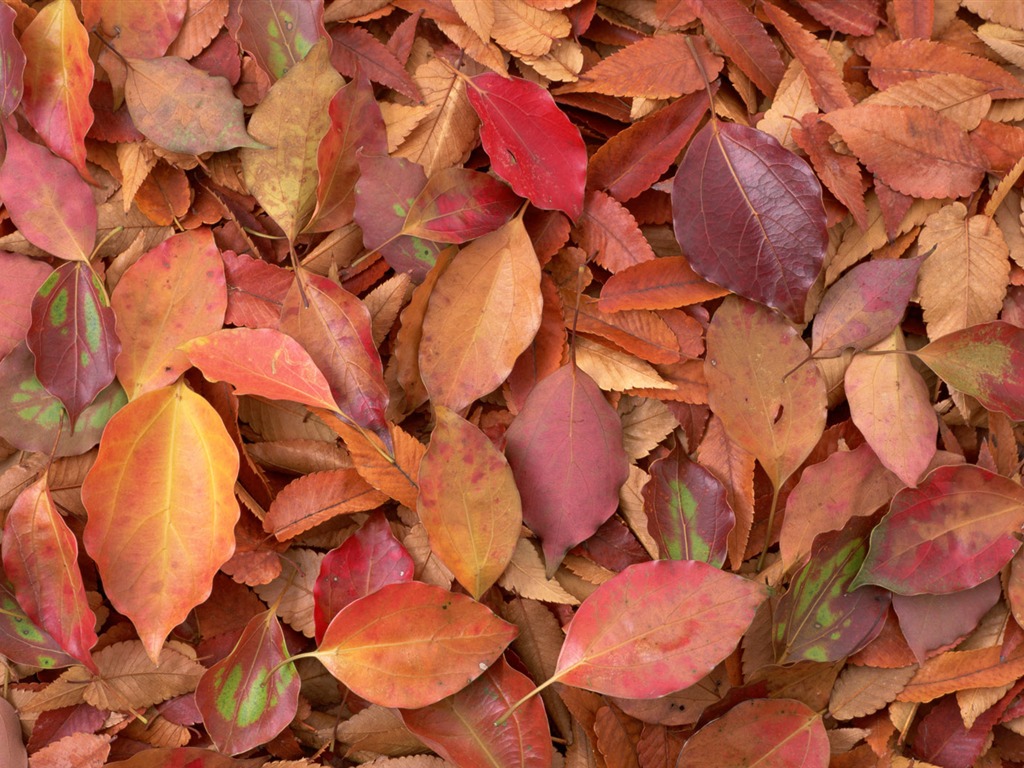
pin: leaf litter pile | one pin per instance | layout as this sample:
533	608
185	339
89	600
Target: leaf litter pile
632	383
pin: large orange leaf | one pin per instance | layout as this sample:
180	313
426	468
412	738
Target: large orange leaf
412	644
483	313
468	502
162	509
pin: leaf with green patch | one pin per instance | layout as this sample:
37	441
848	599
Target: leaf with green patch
72	337
251	695
954	531
458	205
984	361
277	33
820	618
22	640
688	511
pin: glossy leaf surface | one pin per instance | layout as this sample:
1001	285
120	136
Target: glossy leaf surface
412	644
161	508
952	532
749	217
565	449
468	502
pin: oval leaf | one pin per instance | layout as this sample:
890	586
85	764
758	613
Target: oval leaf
459	204
410	645
952	532
162	509
644	633
749	217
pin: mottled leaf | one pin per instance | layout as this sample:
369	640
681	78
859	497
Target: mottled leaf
278	33
21	640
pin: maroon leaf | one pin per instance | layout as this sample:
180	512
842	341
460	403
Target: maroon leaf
960	612
531	143
748	214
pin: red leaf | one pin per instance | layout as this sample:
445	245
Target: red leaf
852	17
608	232
140	30
458	205
12	67
256	291
356	50
565	449
22	278
744	40
749	217
21	640
531	143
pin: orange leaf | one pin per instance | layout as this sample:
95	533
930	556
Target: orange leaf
912	59
608	231
659	284
162	509
318	497
744	40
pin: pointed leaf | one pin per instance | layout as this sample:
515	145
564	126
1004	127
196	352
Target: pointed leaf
743	38
985	362
952	532
40	555
820	618
250	696
773	411
72	337
461	728
565	450
530	141
12	64
412	644
367	560
643	633
182	108
278	33
21	640
656	284
459	204
47	200
748	215
688	512
468	502
483	313
172	294
162	508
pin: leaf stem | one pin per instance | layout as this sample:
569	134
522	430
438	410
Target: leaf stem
771	522
504	718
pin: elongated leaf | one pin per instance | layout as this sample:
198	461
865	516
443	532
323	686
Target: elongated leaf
820	618
565	449
461	728
688	512
459	204
643	633
72	337
468	502
952	532
40	555
531	143
48	202
412	644
162	509
316	498
749	217
483	313
768	733
775	416
182	108
335	330
58	78
278	33
21	640
985	362
12	64
173	293
367	560
260	362
251	695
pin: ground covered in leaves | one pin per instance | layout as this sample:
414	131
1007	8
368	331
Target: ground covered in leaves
521	383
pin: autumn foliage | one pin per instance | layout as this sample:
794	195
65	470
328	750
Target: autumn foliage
514	383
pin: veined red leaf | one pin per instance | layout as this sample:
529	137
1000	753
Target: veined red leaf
162	509
565	450
21	640
255	289
22	278
768	733
173	293
278	33
47	200
662	283
367	560
143	30
468	502
459	204
315	498
72	337
984	361
251	695
260	362
952	532
12	64
58	78
688	512
40	555
461	728
644	632
412	644
335	330
820	618
749	217
356	50
530	141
